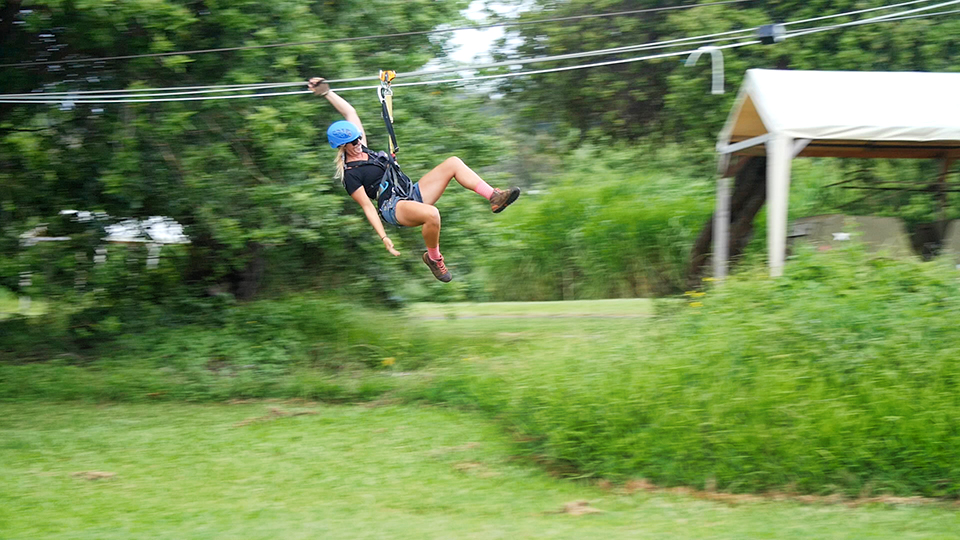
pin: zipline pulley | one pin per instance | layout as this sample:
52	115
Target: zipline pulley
385	93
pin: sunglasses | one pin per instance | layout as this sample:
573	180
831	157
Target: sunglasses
356	142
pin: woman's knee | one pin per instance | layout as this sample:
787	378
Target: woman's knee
454	162
432	216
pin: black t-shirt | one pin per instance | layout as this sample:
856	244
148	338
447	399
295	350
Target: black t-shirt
367	176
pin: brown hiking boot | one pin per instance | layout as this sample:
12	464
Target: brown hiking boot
438	268
501	199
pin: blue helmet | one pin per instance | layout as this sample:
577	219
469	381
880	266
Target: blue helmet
341	132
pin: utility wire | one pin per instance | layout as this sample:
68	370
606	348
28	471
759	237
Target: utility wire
378	36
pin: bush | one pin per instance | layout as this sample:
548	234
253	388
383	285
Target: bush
309	347
841	376
608	229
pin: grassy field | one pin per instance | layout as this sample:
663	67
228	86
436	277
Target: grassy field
303	470
628	307
838	379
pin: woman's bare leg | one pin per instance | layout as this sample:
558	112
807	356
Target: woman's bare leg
436	181
414	214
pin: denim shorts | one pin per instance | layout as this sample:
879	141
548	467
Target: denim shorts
388	210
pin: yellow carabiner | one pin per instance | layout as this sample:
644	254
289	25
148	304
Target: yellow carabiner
385	93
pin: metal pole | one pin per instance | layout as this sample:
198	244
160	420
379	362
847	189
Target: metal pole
721	229
779	156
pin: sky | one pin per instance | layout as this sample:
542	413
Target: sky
474	45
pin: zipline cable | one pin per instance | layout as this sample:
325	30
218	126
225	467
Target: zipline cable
880	18
703	39
682	42
416	83
924	15
251	86
378	36
66	97
835	15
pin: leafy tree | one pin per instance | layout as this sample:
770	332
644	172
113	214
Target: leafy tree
664	98
249	178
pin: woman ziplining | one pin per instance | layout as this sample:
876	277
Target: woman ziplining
399	202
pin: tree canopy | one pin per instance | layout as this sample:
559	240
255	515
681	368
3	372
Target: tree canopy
244	175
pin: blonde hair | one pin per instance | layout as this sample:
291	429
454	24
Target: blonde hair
340	163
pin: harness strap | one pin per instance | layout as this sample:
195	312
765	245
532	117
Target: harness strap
392	175
385	93
375	158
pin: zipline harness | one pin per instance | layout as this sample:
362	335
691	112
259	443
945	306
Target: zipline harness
392	175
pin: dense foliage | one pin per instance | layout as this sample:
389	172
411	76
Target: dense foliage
662	97
312	347
611	225
841	376
249	179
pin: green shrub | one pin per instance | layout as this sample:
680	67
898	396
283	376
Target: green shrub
609	228
310	347
841	376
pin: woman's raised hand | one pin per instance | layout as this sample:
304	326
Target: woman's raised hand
319	86
389	244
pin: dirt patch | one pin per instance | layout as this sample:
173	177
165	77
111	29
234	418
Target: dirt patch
474	468
443	450
93	475
273	414
577	508
290	401
634	486
382	401
536	316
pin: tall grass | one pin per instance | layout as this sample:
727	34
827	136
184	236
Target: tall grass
306	346
608	228
842	376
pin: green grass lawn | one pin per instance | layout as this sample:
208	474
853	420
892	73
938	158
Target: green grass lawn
627	307
237	471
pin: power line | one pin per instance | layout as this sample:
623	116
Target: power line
378	36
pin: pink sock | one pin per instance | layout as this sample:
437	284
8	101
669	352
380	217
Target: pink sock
484	190
434	253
